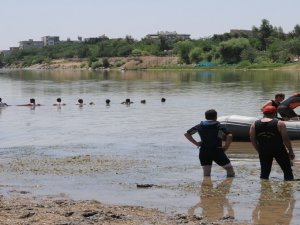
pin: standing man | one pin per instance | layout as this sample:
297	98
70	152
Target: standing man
212	133
270	139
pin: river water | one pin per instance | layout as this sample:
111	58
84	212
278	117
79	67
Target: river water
149	137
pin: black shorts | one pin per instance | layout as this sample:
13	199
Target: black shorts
285	111
207	156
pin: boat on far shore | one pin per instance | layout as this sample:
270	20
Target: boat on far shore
239	126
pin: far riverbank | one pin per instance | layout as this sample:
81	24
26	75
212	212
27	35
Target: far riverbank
146	63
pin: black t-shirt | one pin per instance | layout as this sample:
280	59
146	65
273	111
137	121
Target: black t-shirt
267	135
211	133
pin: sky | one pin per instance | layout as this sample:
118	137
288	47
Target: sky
21	20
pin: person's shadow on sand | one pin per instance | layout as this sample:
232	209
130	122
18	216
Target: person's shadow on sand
213	200
276	204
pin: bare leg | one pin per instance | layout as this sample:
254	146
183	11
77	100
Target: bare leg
229	169
206	170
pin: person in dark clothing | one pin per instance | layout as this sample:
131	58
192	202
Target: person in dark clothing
32	103
286	108
279	97
270	139
2	104
59	102
212	133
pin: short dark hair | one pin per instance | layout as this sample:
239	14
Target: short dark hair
58	99
211	114
32	100
80	100
280	95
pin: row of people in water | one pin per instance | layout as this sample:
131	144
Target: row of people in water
285	107
80	102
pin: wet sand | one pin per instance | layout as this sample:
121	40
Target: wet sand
241	200
24	207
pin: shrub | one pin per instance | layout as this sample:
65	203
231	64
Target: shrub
105	63
96	65
244	64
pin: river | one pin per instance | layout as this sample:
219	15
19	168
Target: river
102	152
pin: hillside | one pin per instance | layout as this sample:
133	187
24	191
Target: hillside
142	62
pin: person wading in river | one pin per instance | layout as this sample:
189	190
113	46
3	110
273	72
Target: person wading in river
270	139
212	133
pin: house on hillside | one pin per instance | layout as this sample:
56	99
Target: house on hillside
30	44
237	31
168	35
8	52
93	40
50	40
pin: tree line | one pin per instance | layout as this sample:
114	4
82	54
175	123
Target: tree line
263	45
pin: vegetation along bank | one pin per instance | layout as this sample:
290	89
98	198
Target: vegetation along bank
265	46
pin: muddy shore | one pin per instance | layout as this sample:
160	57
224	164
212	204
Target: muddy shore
22	206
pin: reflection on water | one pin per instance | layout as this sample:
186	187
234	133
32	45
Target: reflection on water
213	200
276	204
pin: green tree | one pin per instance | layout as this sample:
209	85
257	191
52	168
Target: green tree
276	50
163	44
124	50
83	51
136	52
296	31
129	39
293	46
249	54
231	50
183	49
195	55
92	59
105	63
263	33
1	60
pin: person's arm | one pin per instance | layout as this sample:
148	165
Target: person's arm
192	140
252	137
228	141
266	104
25	105
286	140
